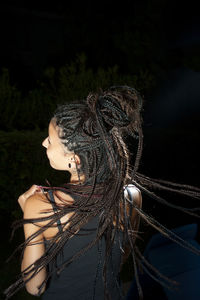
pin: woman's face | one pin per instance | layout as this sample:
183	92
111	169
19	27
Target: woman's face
58	157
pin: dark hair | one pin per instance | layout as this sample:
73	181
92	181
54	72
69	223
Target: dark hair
101	130
95	130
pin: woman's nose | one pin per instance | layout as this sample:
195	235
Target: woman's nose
45	143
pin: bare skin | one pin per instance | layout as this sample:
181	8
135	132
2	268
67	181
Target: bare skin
33	203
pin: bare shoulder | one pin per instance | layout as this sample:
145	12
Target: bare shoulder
61	196
35	205
137	202
133	195
138	198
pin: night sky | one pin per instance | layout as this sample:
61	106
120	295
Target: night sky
34	35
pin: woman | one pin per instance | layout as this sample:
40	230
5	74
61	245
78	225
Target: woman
77	236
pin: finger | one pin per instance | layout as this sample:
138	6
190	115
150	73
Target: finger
31	191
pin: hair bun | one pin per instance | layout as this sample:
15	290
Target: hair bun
110	110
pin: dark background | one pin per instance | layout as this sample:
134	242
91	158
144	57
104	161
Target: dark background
158	40
159	37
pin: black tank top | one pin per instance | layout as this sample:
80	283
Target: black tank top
83	278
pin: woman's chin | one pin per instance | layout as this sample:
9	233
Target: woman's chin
52	165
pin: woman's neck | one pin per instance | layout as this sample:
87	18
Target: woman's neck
75	179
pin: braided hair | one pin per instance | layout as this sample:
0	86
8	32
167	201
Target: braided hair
105	131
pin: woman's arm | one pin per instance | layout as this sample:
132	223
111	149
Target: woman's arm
134	221
35	249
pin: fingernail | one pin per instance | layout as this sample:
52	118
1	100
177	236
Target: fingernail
39	187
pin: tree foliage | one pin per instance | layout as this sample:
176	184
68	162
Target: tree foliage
71	81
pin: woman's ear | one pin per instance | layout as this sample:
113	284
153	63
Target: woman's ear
73	158
77	159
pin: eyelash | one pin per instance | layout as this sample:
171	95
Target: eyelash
48	141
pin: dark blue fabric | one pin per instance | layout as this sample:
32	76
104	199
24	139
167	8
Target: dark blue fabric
175	262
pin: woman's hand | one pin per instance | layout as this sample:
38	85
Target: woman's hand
33	190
